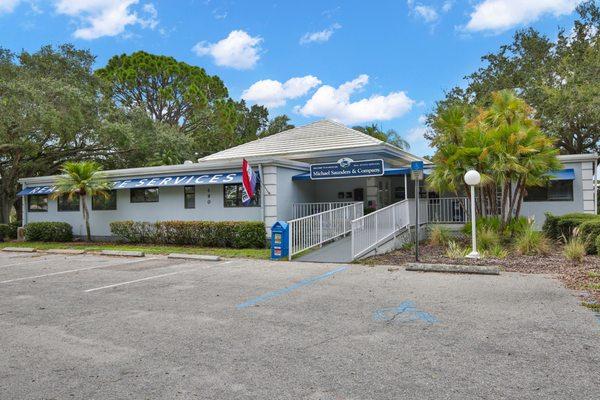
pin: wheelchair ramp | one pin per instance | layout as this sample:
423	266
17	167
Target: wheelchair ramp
339	251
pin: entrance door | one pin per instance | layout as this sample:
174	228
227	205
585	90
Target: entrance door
384	192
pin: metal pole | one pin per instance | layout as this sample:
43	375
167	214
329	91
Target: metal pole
417	220
474	253
473	221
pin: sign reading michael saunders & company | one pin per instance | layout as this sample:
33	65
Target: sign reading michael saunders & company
347	168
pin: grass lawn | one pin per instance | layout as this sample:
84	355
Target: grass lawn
150	249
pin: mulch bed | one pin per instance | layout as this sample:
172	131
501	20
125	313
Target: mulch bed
575	276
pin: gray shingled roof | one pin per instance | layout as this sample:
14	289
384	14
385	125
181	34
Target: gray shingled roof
317	136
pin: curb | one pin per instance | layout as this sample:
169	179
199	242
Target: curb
20	249
122	253
460	269
201	257
64	251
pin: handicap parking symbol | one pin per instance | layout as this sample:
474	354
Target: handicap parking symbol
405	312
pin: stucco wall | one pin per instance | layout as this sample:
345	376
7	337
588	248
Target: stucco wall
291	192
209	207
536	209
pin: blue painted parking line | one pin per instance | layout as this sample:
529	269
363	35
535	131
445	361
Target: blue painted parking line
405	312
280	292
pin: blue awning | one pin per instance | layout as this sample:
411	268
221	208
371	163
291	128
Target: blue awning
387	172
563	175
161	181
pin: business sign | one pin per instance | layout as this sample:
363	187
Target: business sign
162	181
347	168
416	170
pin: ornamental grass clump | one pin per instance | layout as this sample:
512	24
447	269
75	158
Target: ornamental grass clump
498	252
455	250
488	238
439	236
575	247
532	242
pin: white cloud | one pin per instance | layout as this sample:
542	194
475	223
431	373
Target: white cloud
273	93
8	6
427	13
447	6
334	103
320	36
416	135
106	17
238	50
500	15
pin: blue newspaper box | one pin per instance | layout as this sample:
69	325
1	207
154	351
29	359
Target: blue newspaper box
279	240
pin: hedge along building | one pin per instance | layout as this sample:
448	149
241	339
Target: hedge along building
302	171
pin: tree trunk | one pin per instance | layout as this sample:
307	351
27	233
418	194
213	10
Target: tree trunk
520	201
503	205
519	186
5	208
86	217
18	204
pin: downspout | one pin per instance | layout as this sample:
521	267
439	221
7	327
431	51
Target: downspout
24	208
596	186
262	194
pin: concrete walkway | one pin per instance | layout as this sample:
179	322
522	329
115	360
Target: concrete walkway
336	252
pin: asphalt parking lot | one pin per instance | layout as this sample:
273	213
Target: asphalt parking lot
92	327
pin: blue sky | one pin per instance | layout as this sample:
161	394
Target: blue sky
354	61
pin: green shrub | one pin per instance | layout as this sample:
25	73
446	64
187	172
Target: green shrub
567	223
483	223
588	232
4	230
232	234
514	227
550	226
517	226
532	242
48	232
598	245
9	231
575	249
439	236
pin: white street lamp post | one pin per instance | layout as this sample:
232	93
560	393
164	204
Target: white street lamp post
472	178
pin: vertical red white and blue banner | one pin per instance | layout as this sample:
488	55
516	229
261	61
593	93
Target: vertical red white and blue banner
249	180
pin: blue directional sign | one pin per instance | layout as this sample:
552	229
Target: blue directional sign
416	165
346	168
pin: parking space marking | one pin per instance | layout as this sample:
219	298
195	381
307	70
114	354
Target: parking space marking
153	276
34	262
277	293
75	270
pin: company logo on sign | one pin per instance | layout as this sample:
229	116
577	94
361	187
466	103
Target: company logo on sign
347	168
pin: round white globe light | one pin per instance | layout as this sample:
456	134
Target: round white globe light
472	178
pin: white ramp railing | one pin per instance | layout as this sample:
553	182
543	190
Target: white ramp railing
304	209
314	230
449	210
372	229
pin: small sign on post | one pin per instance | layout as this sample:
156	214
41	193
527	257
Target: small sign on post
416	170
416	173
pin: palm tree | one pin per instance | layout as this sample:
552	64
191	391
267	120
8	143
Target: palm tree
390	136
502	142
83	179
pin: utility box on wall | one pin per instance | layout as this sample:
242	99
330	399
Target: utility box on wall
279	240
